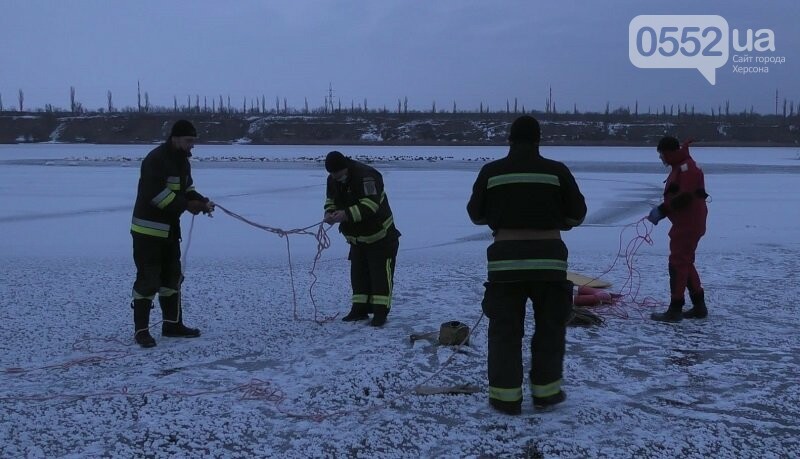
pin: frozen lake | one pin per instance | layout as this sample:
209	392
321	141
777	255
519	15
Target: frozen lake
266	380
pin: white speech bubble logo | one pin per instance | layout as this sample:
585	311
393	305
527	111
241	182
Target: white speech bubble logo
679	42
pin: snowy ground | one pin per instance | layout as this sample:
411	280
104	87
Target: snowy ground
266	380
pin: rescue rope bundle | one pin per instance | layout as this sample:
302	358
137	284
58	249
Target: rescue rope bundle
628	295
323	242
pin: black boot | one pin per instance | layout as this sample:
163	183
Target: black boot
357	312
672	314
379	315
512	408
699	310
141	322
550	400
172	325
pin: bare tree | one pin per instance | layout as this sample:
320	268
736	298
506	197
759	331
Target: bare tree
454	106
277	105
433	107
72	99
285	106
21	98
175	104
263	104
399	106
1	102
220	104
365	105
146	101
110	104
515	105
405	104
305	105
138	96
330	98
776	101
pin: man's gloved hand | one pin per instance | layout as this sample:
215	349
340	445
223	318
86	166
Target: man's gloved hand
336	216
210	207
195	206
655	215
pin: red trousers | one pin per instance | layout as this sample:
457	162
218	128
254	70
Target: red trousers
682	273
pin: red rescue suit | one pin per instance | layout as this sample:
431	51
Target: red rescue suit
685	206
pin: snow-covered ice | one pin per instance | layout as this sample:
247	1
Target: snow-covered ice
267	380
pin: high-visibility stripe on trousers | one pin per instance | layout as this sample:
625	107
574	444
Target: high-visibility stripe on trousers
372	274
504	305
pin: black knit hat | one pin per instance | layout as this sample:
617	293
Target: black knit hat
335	162
525	129
183	128
668	143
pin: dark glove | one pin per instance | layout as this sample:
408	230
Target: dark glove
655	215
211	206
195	206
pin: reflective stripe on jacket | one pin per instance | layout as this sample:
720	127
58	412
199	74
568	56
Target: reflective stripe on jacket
165	186
363	199
525	191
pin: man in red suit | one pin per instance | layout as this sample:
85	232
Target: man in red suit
685	207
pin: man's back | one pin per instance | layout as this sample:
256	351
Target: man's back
525	190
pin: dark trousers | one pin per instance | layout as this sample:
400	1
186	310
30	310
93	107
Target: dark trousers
158	266
504	305
682	273
372	275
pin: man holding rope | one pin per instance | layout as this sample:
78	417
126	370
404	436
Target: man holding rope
684	205
357	201
165	191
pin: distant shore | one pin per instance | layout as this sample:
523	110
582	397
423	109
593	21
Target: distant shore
401	129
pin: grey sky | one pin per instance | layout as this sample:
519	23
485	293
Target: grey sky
465	51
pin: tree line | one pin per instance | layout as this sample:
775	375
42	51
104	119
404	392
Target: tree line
224	105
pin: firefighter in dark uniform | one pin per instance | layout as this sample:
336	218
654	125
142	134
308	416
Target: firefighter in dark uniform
357	201
165	191
684	205
526	200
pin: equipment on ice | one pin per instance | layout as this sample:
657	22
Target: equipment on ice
454	333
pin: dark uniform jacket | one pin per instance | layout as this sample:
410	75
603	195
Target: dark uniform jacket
361	196
165	186
526	191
